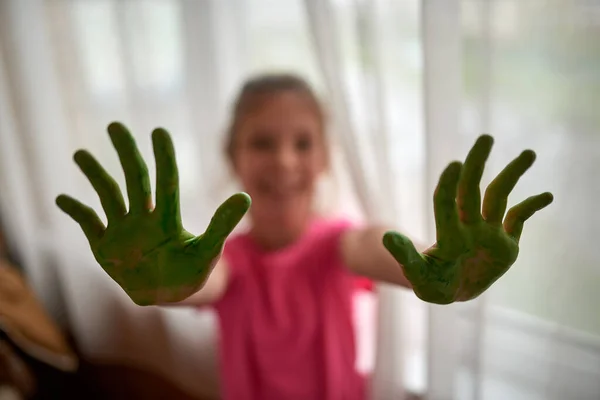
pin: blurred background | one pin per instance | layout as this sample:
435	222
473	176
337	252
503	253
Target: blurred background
409	85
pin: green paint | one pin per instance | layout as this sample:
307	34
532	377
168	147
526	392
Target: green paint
146	250
473	248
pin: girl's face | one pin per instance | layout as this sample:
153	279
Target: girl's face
278	156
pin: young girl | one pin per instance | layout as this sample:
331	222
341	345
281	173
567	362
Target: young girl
282	290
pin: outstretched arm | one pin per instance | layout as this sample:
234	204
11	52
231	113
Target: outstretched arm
476	242
364	254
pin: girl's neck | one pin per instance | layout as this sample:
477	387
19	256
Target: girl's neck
272	237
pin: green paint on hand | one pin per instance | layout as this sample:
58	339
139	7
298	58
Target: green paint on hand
474	248
146	250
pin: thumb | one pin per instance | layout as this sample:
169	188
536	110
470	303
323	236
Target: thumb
404	251
223	222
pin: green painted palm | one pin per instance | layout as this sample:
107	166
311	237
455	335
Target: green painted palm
145	249
475	246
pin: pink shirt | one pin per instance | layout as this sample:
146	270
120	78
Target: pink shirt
286	320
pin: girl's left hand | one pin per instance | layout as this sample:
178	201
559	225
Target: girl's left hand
474	248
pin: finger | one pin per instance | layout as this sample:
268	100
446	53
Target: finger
225	219
106	187
86	217
469	195
134	167
447	221
517	215
404	251
496	194
167	180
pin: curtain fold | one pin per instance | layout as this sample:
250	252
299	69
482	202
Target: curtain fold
442	95
13	191
323	30
39	126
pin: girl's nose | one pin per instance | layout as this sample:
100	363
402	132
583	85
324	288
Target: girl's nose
286	157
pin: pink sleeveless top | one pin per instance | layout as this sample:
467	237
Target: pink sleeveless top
286	327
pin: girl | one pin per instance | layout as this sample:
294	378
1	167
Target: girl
282	290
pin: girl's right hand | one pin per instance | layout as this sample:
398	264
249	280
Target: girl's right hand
146	250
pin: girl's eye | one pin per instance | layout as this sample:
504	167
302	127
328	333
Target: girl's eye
262	143
304	144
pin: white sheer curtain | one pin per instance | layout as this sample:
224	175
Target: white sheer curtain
410	84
